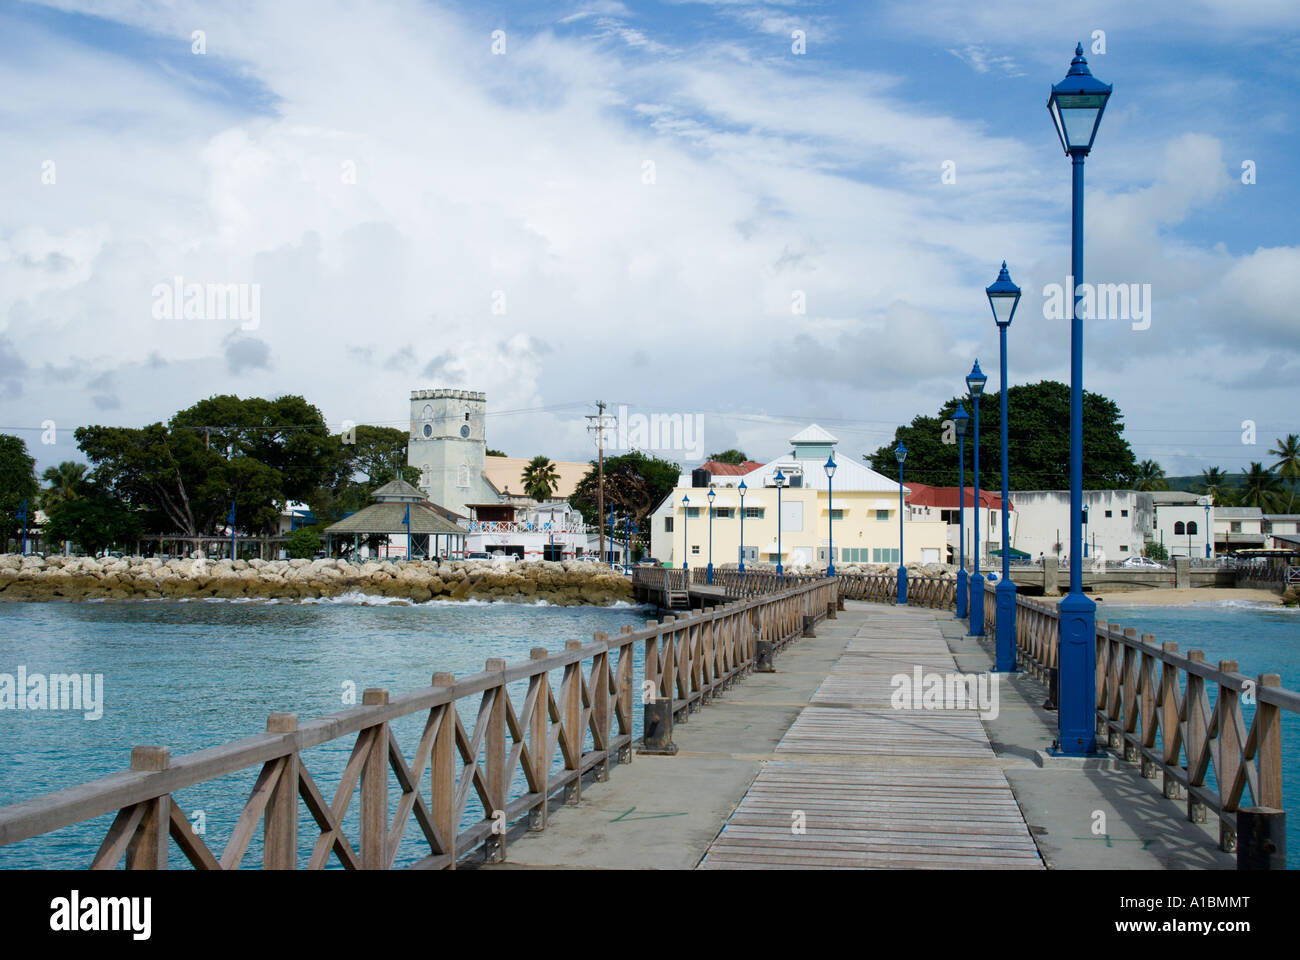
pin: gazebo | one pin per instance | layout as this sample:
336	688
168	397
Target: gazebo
387	516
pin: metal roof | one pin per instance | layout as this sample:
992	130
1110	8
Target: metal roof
387	517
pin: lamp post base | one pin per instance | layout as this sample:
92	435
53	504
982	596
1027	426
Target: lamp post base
1077	684
709	574
976	611
963	597
1005	660
902	584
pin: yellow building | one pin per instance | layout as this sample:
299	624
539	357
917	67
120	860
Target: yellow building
862	504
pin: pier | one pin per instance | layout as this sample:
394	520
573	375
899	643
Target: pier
771	737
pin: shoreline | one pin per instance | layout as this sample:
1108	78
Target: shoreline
1185	597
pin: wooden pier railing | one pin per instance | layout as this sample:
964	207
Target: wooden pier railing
883	588
687	661
750	583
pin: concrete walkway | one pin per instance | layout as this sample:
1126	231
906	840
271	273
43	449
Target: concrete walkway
665	812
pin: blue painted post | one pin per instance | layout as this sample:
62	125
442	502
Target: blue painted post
686	544
963	599
709	570
780	482
742	489
22	515
977	579
1076	105
1005	648
900	453
1207	531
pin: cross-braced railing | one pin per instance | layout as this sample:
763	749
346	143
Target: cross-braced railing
508	759
883	588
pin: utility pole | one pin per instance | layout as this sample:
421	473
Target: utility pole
599	427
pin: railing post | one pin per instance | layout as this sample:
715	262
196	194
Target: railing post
374	789
625	681
1227	759
600	703
1194	700
1261	838
494	849
571	710
147	849
1169	721
280	822
537	739
442	772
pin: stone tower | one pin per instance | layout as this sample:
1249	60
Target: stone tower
448	446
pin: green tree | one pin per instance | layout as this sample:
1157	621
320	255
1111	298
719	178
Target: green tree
634	484
496	453
303	543
94	522
540	478
733	457
17	483
1149	476
1287	467
1214	483
1260	488
374	457
1038	442
67	481
1155	551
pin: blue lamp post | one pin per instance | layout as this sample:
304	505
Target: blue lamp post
960	419
686	543
1076	105
629	528
779	480
742	488
22	515
975	381
900	452
709	569
830	512
1085	531
1207	529
1003	297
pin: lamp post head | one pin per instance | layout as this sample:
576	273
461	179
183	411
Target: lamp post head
1076	105
1003	297
779	479
900	452
712	494
686	501
742	488
975	381
960	420
830	467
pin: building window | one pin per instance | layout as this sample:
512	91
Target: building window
1235	526
722	513
1123	513
668	524
1191	526
884	555
692	512
1123	548
695	550
1108	513
837	514
883	514
463	479
1178	528
774	558
753	513
993	520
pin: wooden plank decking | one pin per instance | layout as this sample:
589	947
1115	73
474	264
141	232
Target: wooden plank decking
879	787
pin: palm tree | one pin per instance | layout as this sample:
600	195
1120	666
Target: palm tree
1259	488
66	482
540	478
1288	464
1150	476
1214	482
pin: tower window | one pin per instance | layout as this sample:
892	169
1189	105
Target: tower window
428	429
463	479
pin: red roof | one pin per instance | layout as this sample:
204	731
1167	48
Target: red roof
730	469
948	498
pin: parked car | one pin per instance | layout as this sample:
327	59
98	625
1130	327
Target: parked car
648	562
1141	562
477	556
588	558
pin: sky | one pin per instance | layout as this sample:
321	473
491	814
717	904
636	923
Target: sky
759	215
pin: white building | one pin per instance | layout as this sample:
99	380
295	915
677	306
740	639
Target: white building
1183	523
448	446
1117	523
1239	528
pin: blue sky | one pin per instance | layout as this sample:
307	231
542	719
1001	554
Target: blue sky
520	179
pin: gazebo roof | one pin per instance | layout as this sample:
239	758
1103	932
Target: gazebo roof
386	517
398	490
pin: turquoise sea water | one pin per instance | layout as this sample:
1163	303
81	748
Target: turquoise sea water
1262	639
189	675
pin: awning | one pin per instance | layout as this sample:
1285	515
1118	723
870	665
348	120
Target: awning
1013	553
